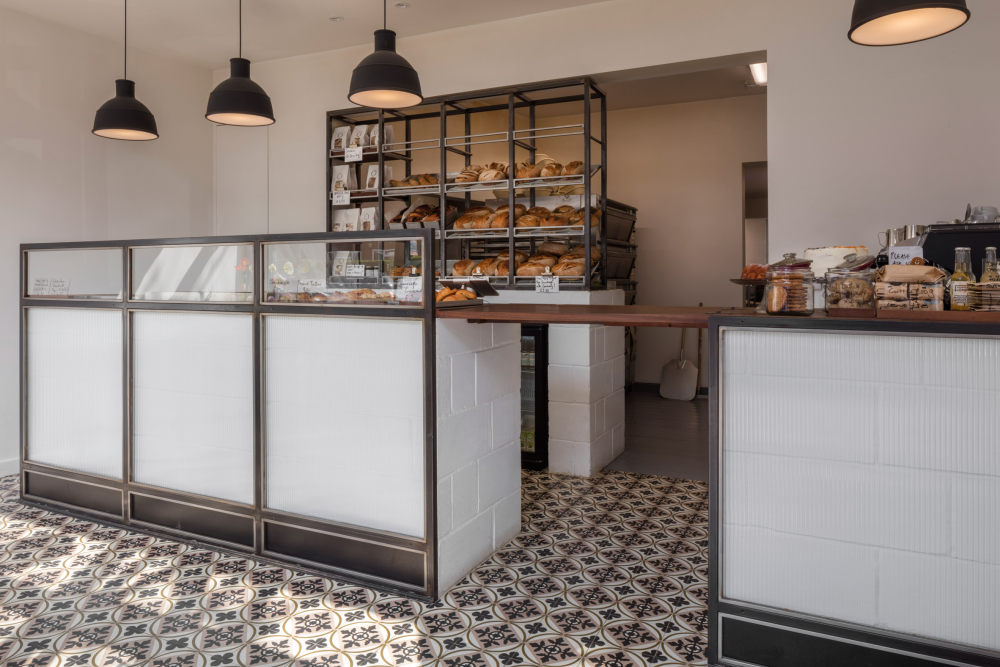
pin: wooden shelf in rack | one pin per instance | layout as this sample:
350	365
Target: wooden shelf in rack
615	316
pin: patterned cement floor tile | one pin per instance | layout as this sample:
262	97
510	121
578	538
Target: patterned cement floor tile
609	571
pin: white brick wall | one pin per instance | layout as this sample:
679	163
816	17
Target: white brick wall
861	479
479	455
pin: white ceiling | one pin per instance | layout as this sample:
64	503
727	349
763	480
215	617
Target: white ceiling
204	31
733	81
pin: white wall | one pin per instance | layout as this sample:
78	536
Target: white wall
60	183
859	139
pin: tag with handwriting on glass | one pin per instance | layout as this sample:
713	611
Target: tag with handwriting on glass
355	271
341	197
353	154
312	285
546	284
410	284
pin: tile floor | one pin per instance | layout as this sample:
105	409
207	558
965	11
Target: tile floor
609	571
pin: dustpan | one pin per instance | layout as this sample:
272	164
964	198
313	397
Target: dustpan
679	379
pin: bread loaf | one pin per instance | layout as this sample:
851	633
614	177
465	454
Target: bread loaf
555	248
573	168
528	220
526	170
568	269
539	211
555	220
503	267
463	267
519	209
483	222
491	175
564	209
487	267
531	269
500	221
551	169
519	255
544	260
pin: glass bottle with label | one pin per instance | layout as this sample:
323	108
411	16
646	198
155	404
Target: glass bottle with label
961	279
991	270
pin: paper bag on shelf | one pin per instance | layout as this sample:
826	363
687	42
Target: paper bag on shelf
343	178
389	135
359	137
346	219
366	222
340	137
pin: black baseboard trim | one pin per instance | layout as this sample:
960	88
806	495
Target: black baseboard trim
653	388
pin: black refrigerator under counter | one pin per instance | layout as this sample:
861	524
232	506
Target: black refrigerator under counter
534	396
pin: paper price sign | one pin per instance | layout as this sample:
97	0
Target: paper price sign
355	271
353	154
341	197
410	284
902	254
547	284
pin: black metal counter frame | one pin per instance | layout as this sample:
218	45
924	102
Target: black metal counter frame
389	561
746	634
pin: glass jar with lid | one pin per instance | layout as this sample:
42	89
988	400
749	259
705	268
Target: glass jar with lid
789	288
851	284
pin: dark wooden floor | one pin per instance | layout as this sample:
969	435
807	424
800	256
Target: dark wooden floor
667	438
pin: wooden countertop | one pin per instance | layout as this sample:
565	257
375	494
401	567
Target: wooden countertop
615	316
669	316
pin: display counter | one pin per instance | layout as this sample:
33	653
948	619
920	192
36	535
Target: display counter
286	396
855	491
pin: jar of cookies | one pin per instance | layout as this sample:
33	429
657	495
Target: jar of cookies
847	288
789	288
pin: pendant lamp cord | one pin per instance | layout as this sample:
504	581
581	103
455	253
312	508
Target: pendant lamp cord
385	23
241	29
125	44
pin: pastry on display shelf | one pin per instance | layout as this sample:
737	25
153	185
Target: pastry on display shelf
415	180
531	269
551	169
463	267
539	211
452	294
544	259
528	220
573	168
569	269
555	220
519	209
519	255
556	248
502	268
487	267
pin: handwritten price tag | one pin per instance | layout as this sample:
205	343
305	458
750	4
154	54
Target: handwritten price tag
547	284
341	197
355	271
353	154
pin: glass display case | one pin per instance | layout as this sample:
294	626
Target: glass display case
350	272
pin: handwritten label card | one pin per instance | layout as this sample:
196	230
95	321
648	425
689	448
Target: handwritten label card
410	284
547	284
312	285
902	254
340	197
49	287
353	154
355	271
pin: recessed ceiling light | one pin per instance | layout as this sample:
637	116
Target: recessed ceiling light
337	19
759	73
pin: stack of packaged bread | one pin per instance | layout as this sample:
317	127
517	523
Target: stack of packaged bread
484	217
909	287
551	257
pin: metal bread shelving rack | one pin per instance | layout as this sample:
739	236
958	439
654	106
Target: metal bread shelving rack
518	124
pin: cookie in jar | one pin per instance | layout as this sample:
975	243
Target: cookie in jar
850	289
789	289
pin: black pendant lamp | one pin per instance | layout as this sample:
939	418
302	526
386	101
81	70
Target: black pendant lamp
385	80
238	100
124	117
891	22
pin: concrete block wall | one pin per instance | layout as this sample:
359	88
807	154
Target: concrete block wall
479	443
861	479
586	384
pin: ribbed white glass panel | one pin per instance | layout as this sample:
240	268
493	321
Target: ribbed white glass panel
345	420
192	418
861	479
75	389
